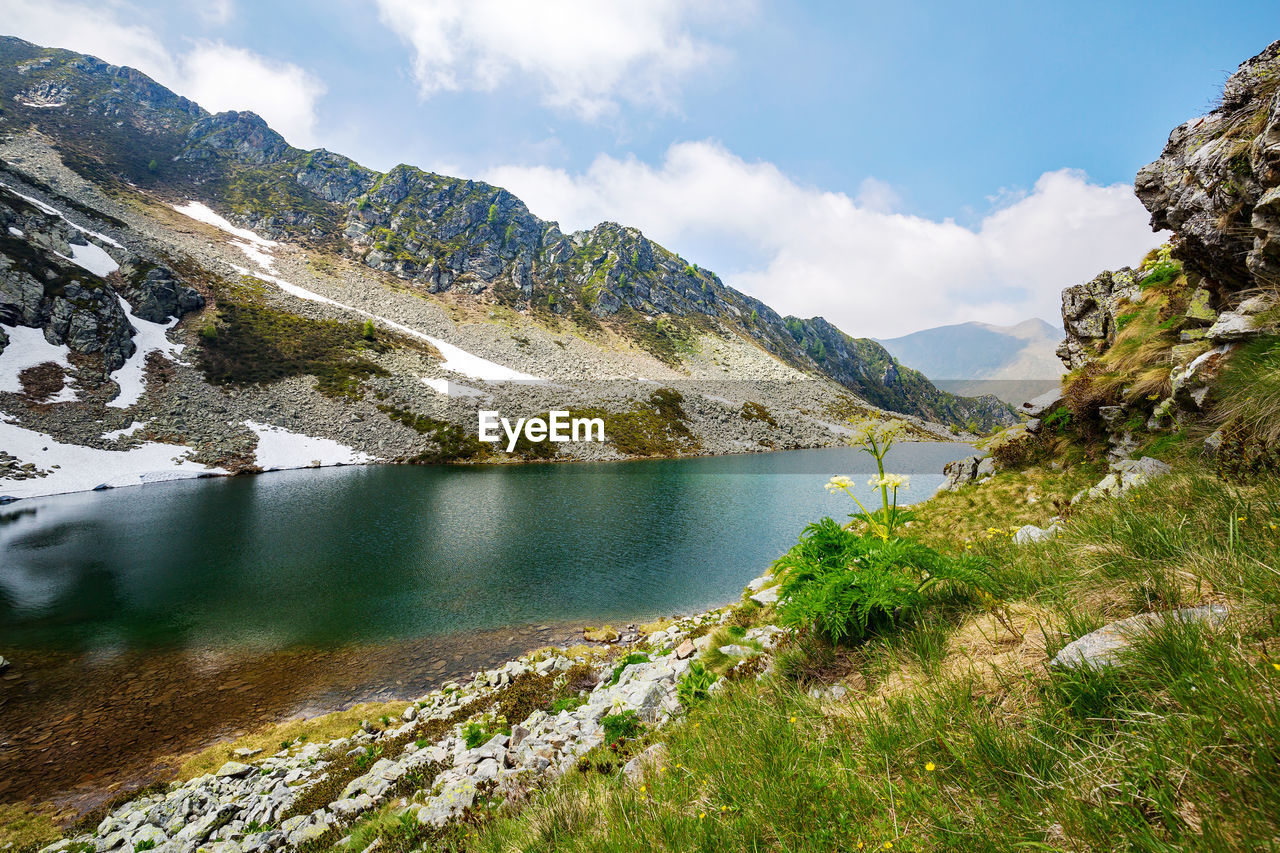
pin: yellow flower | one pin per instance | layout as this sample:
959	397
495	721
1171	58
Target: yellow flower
702	816
1276	666
1241	518
792	720
643	788
930	766
724	808
888	845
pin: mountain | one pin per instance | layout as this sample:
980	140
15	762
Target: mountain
268	264
1014	363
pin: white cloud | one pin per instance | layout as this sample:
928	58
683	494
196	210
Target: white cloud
220	77
869	270
584	55
215	75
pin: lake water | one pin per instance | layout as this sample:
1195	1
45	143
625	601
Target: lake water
146	622
369	554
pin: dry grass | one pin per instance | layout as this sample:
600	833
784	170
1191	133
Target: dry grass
269	739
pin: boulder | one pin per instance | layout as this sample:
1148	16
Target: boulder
651	757
1038	407
1104	646
1089	312
765	596
234	770
684	650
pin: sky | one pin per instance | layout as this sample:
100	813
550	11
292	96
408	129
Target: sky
890	166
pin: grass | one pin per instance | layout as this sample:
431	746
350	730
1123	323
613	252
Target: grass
957	736
1248	393
23	826
655	427
270	739
251	343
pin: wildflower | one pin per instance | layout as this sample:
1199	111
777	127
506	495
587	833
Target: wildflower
930	766
888	845
838	483
891	481
1276	666
702	816
792	720
643	788
1241	518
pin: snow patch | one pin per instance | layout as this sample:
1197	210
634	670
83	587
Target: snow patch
125	432
202	213
451	389
148	337
92	258
280	448
84	468
42	106
28	348
53	210
255	254
17	232
456	359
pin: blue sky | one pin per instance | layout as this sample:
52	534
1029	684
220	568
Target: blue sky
891	166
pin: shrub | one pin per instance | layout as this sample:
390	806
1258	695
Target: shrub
845	586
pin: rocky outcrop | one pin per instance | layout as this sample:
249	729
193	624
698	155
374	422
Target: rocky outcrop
1089	312
1216	185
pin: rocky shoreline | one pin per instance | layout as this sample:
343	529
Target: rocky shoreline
449	754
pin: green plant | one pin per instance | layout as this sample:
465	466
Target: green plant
621	726
846	586
369	330
145	844
694	687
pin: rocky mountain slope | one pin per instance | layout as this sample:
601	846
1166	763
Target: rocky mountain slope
261	265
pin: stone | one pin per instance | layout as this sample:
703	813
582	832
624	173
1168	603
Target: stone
410	714
755	584
245	752
685	650
351	806
4	664
960	472
765	596
1198	308
234	770
1038	407
737	651
1030	533
1104	646
148	833
1089	312
653	756
768	636
1231	326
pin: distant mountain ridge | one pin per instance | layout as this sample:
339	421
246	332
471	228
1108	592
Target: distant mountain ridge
118	128
981	351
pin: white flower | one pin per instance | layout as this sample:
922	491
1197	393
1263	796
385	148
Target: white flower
839	483
891	481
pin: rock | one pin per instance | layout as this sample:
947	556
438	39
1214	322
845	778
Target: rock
768	636
410	714
1235	326
1215	183
1089	312
245	752
351	806
1030	533
4	664
1038	407
765	596
960	472
755	584
607	634
234	770
736	651
1198	307
147	833
684	650
1103	646
651	757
